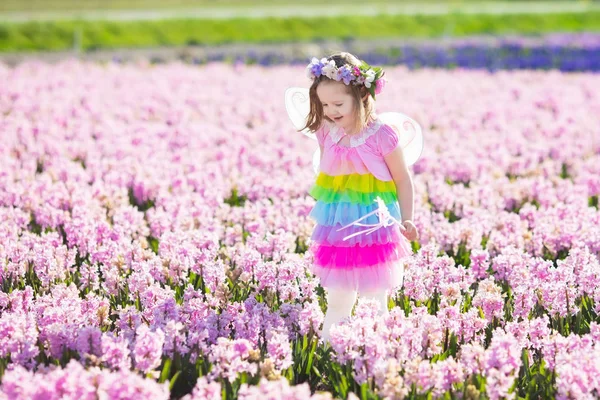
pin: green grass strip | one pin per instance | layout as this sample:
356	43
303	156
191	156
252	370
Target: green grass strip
79	5
94	5
59	35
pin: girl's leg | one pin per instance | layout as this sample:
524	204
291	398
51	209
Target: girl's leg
380	296
339	306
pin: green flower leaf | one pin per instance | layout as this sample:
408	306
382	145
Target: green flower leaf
372	90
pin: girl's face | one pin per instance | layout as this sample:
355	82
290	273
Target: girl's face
337	104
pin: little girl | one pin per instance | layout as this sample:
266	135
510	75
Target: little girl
363	175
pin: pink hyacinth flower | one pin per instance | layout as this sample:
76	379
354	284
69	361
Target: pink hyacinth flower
379	85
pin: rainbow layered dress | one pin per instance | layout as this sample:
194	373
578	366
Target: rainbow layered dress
351	176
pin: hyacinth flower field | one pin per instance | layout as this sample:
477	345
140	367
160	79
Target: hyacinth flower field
155	234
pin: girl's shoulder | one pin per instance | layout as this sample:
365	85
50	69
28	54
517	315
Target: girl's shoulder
386	138
377	130
323	131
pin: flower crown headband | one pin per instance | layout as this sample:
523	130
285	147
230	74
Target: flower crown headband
349	74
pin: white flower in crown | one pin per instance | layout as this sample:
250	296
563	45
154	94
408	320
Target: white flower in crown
309	73
309	68
369	78
330	70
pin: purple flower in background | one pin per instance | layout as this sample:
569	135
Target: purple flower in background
480	263
279	389
115	351
18	338
74	381
279	349
502	363
231	357
175	339
130	386
448	373
310	318
205	390
472	357
128	322
490	298
89	341
148	348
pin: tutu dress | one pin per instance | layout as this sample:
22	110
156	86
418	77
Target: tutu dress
351	177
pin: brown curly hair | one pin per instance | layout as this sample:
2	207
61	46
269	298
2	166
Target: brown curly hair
363	108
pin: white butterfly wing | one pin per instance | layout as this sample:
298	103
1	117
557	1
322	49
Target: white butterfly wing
409	134
316	160
297	105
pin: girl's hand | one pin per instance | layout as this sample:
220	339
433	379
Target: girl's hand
410	230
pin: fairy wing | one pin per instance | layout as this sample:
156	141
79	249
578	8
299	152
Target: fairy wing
297	105
316	160
409	134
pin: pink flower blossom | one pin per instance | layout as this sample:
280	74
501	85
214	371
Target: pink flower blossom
379	85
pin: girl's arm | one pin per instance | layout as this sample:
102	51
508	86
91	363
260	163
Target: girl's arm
403	180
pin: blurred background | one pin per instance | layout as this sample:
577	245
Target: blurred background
551	34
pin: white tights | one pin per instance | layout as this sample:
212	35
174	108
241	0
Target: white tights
340	303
